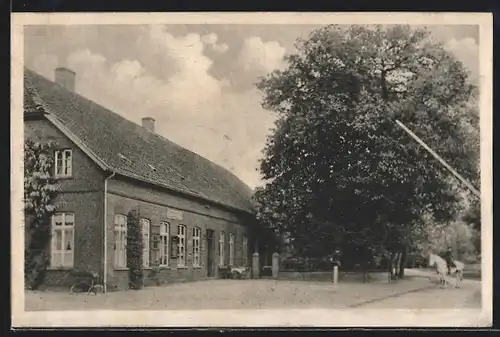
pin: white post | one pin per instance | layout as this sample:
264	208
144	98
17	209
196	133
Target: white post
335	275
255	265
275	265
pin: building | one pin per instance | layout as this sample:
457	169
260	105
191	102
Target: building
195	215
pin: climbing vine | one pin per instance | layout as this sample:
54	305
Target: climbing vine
134	251
40	190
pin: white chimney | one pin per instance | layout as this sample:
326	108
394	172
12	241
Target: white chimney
148	123
65	77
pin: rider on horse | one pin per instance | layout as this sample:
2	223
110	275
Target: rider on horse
448	257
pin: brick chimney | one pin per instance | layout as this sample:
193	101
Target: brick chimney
65	77
148	123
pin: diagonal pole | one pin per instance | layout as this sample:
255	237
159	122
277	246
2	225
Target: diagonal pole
441	160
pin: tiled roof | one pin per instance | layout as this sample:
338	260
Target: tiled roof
131	150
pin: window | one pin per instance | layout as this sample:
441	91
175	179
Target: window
62	253
221	249
181	258
231	249
120	246
145	226
63	163
196	246
245	250
164	259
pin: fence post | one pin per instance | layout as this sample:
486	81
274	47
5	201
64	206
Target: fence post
255	265
275	265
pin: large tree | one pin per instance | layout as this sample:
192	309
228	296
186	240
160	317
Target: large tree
340	172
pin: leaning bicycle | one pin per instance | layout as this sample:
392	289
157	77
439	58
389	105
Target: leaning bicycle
86	282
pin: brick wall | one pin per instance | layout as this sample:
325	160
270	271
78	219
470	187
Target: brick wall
81	194
152	204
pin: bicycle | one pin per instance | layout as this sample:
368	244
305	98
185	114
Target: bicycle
87	282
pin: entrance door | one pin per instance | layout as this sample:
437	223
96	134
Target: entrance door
210	253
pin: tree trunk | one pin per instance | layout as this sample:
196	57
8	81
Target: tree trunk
390	265
383	84
397	264
404	261
364	270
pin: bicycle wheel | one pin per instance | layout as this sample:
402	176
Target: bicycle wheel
97	289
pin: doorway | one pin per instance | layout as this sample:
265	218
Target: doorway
210	253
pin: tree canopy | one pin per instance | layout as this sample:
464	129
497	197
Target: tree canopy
339	171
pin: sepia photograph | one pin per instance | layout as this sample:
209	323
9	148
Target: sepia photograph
252	169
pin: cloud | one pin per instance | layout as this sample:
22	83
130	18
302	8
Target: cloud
256	58
211	39
191	107
467	51
261	57
45	64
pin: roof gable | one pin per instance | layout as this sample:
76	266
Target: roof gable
133	151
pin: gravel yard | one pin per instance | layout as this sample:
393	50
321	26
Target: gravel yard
229	294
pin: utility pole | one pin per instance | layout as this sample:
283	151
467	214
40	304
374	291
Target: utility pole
441	160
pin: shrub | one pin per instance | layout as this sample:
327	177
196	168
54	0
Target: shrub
458	235
134	251
35	268
40	190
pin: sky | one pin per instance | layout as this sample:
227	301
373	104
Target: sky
197	81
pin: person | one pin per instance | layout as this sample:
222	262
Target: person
448	257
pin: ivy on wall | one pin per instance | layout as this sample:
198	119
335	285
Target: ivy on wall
40	190
134	251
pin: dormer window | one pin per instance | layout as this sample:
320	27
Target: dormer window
63	163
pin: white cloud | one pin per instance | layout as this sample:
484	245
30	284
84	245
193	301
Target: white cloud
127	70
191	107
211	39
261	57
45	64
221	48
467	51
85	56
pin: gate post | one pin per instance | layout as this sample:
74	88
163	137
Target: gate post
276	262
255	265
335	275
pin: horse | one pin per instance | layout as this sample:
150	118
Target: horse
442	270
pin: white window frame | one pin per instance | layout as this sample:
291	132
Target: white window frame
120	241
146	233
196	246
181	253
66	257
245	250
231	249
164	244
65	165
221	249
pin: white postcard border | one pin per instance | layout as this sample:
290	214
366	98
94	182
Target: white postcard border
261	317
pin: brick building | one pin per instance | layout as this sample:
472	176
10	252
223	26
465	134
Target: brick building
195	215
